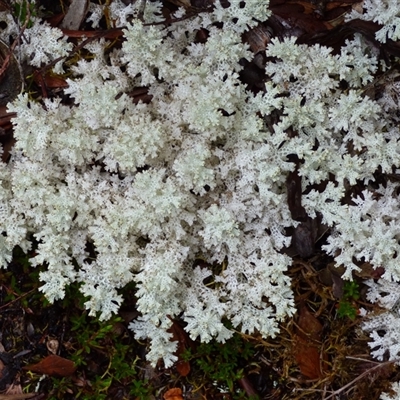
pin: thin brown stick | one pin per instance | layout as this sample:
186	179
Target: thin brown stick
118	32
113	33
336	392
18	298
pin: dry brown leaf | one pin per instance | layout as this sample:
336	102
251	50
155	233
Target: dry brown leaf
257	38
182	367
50	81
54	366
306	344
309	326
52	345
181	336
173	394
308	358
368	271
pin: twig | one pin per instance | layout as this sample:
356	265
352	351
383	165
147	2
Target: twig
18	298
115	33
118	32
363	359
186	16
336	392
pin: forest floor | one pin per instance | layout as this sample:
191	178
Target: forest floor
56	351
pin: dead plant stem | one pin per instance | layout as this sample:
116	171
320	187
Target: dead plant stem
336	392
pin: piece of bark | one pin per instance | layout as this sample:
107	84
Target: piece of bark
75	15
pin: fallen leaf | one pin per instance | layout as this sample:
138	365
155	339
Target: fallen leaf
368	271
307	358
309	326
307	344
258	38
181	336
173	394
50	81
182	367
52	345
53	365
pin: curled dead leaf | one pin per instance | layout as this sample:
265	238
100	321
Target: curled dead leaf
52	346
173	394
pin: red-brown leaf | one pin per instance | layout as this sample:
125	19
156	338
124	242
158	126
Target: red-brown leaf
182	367
50	81
173	394
308	358
309	326
306	344
54	366
179	335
